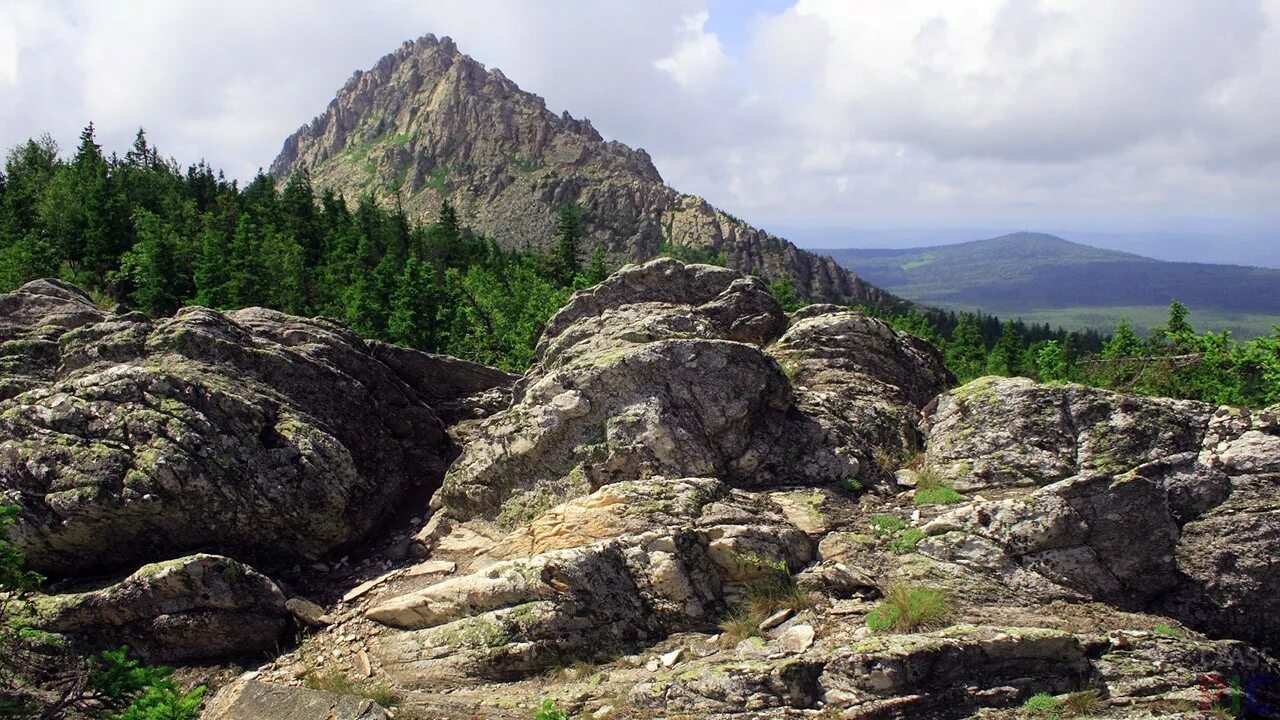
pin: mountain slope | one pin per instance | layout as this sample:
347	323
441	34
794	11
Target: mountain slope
431	123
1026	273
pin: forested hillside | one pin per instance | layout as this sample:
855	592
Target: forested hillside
1043	278
138	230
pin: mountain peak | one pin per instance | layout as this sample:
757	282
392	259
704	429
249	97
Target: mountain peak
428	123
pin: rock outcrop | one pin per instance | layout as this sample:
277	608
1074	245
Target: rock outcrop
1144	503
249	700
126	439
691	505
194	608
432	124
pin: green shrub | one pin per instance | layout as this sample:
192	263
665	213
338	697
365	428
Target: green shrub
933	489
906	609
850	485
550	711
1043	705
906	541
137	691
887	525
767	594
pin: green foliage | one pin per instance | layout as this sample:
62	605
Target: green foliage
906	541
850	484
550	711
1043	705
1167	630
143	233
907	608
784	291
887	525
936	496
771	590
128	690
933	489
1051	363
14	577
965	353
564	263
691	254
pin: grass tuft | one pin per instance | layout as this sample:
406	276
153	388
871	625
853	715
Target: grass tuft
336	681
765	596
1043	705
907	609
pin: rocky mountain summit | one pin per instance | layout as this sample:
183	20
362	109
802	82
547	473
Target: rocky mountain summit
431	124
692	505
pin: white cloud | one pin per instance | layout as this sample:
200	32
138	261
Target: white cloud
857	112
698	60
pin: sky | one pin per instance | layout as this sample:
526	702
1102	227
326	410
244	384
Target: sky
1092	115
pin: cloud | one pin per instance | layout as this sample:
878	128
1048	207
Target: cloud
855	112
698	60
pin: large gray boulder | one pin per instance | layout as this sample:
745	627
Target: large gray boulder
253	432
200	607
1144	503
253	700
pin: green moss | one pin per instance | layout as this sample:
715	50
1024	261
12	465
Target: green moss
907	541
887	525
1168	630
937	496
476	632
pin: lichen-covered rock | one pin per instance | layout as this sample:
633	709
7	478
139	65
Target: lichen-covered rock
251	432
646	375
254	700
659	371
633	561
862	381
1140	502
199	607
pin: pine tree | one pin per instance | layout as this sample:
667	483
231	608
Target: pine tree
1124	342
1052	364
597	271
966	356
1007	352
151	269
564	258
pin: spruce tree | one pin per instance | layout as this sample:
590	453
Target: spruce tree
966	356
564	258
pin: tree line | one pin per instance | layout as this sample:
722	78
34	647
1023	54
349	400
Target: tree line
1172	361
141	231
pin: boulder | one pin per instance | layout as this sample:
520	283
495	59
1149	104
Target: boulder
200	607
251	700
862	381
251	432
1145	503
652	373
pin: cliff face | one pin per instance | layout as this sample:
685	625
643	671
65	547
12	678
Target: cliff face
431	123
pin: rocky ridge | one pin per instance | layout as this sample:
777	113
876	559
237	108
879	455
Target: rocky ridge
694	505
432	124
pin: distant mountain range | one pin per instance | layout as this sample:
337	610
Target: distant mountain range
1043	278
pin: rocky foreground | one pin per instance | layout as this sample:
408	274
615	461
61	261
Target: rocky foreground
693	505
